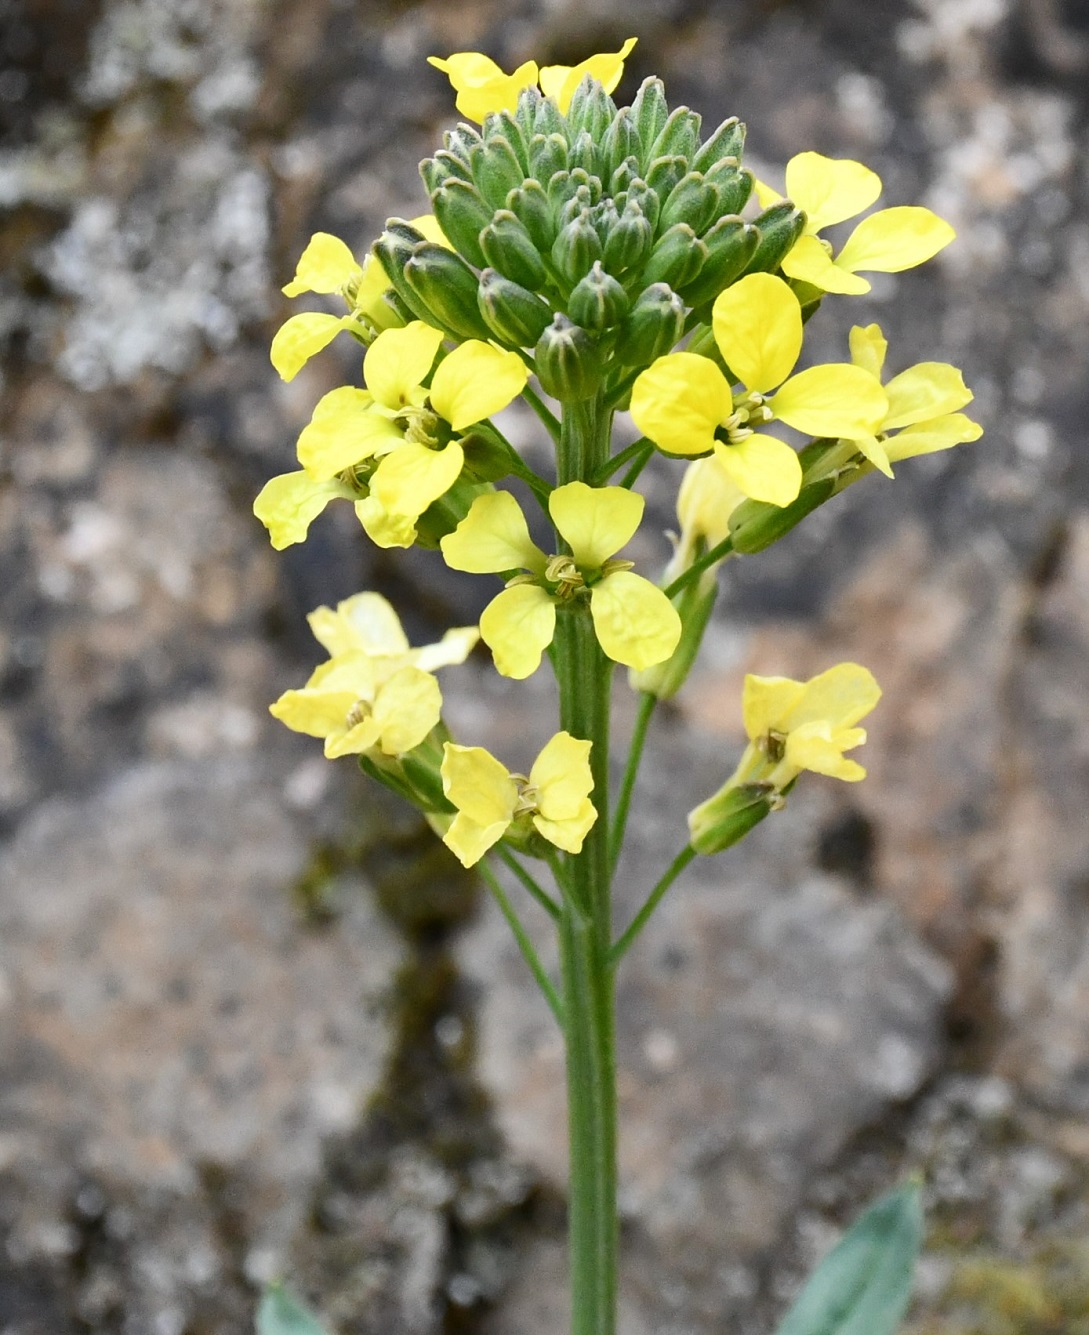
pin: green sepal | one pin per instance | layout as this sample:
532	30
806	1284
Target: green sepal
486	459
649	111
678	137
598	301
576	248
503	124
691	201
755	525
443	167
733	183
863	1285
592	110
780	226
447	287
393	251
549	119
548	154
525	112
516	316
677	257
508	247
461	141
568	360
652	327
531	207
728	141
622	177
726	818
462	215
586	154
582	201
629	241
496	170
665	174
620	143
730	243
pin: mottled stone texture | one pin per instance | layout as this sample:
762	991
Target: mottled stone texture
220	1056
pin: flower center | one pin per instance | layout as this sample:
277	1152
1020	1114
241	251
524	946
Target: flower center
359	713
773	745
422	426
527	796
750	411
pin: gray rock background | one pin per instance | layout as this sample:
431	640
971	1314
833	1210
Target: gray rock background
252	1022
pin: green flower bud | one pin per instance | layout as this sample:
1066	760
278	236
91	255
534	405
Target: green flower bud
726	818
629	241
691	201
649	111
461	140
443	167
730	246
678	137
677	257
604	217
486	460
462	214
576	248
504	125
516	316
755	525
694	604
779	228
733	183
525	113
727	141
665	173
623	176
652	327
592	110
586	154
508	247
496	170
446	285
548	155
393	251
549	119
530	206
621	141
569	362
582	201
640	193
598	301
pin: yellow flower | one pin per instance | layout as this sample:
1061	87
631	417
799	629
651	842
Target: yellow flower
489	799
375	693
685	404
831	190
923	403
635	622
706	500
287	505
482	87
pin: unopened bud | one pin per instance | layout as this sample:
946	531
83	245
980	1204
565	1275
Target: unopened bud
733	183
779	228
592	110
516	316
725	142
649	111
508	247
443	167
677	257
598	301
726	818
447	287
629	241
665	173
621	142
576	248
652	327
730	246
548	154
462	215
530	206
568	360
496	170
755	525
586	154
691	201
503	124
393	251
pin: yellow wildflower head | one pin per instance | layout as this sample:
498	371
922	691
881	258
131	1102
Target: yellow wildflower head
685	404
554	799
635	622
480	84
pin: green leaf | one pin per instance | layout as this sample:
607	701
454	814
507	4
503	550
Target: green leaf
863	1285
281	1313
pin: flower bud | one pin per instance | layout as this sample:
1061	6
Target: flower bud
462	214
733	183
393	251
621	141
581	201
461	140
549	119
665	173
629	241
504	125
730	246
726	142
441	168
576	248
516	316
677	257
548	154
755	525
569	362
725	819
652	327
447	287
640	193
530	206
508	247
592	110
622	177
586	154
525	113
598	301
649	111
779	228
496	170
691	201
678	137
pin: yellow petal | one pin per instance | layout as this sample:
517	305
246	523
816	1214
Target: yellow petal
758	328
431	228
570	832
315	713
326	265
561	775
895	239
350	670
478	784
406	708
454	647
361	737
342	431
762	467
705	501
765	195
475	381
397	362
834	400
481	85
287	505
830	189
679	402
813	747
767	702
809	262
385	528
407	481
868	348
873	449
840	696
302	337
492	537
467	840
517	626
595	521
561	81
365	621
923	391
370	296
635	622
930	437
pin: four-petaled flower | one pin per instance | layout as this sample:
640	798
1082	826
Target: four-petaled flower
555	797
831	190
375	693
482	87
923	403
685	404
635	622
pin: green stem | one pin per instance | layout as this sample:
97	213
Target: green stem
647	701
696	569
683	858
547	416
585	933
640	447
629	478
525	945
537	891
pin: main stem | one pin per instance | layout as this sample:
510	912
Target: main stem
585	931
